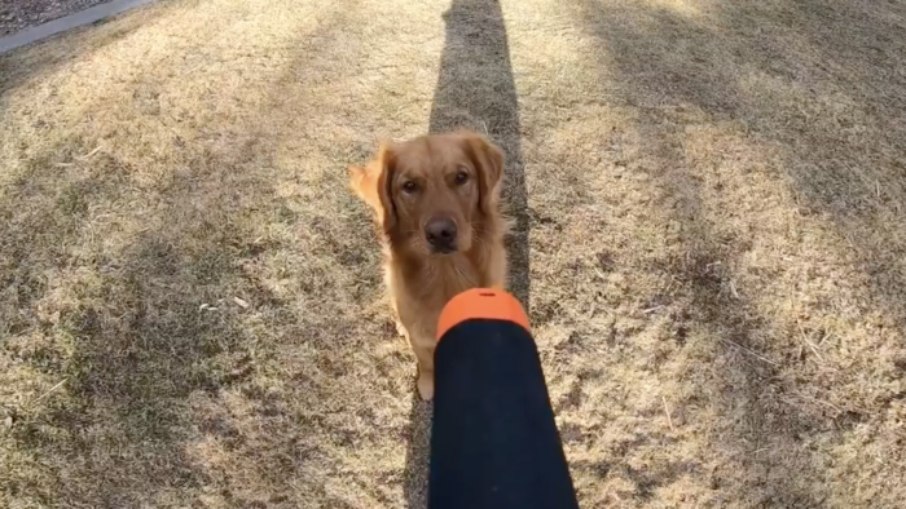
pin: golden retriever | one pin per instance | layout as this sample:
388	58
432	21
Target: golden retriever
435	200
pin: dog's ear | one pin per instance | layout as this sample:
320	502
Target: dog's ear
488	161
373	183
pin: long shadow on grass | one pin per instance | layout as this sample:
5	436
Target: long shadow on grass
666	61
475	89
159	358
834	101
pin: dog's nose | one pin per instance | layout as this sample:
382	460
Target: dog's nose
441	234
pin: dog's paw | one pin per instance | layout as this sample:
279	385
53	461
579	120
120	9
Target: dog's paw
425	386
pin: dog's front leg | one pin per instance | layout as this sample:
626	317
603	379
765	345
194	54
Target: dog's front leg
423	345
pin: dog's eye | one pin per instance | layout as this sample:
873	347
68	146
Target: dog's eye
410	186
461	177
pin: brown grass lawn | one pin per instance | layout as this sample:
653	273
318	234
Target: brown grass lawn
710	200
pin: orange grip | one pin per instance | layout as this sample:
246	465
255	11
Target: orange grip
483	303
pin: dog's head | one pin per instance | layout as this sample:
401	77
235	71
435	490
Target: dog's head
431	194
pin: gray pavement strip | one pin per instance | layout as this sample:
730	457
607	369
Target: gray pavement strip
81	18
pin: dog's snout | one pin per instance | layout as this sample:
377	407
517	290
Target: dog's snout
441	234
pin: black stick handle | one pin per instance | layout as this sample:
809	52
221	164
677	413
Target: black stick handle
494	442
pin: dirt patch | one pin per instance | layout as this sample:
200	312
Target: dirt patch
709	202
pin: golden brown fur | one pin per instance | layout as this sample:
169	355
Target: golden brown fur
447	184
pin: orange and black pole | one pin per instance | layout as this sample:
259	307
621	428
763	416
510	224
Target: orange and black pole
494	442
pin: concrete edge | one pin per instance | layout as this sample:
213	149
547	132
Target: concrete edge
75	20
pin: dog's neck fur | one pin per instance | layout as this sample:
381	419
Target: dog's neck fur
442	276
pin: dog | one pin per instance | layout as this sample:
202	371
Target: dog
436	207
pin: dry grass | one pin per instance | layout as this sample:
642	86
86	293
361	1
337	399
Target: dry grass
711	214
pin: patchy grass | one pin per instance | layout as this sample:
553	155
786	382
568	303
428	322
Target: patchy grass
709	204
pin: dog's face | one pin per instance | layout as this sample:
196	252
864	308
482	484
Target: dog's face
431	193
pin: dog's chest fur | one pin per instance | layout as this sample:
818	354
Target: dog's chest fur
422	289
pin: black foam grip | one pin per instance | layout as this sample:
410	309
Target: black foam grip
494	442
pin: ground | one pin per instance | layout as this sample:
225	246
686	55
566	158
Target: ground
708	201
